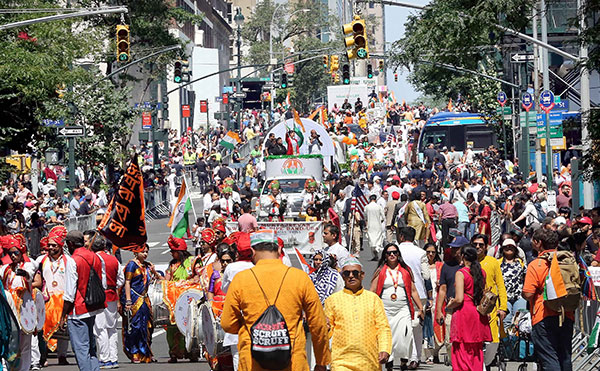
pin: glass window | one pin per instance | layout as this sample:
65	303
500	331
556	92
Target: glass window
288	186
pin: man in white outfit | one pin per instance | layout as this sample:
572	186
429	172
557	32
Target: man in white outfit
416	259
375	218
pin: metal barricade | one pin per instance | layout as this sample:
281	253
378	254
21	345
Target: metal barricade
585	318
157	204
81	223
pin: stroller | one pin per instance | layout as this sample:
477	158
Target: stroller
517	345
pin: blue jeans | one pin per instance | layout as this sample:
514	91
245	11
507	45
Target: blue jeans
83	342
552	343
513	307
463	227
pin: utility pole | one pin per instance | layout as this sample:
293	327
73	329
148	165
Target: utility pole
536	87
588	188
546	78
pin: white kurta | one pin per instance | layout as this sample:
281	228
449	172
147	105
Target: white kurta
375	218
398	314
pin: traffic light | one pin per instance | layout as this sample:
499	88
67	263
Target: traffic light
346	74
369	71
181	72
165	105
356	38
290	80
284	81
335	63
123	53
396	77
325	61
381	66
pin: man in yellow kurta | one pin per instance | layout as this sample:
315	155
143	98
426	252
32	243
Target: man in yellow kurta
362	339
245	303
495	283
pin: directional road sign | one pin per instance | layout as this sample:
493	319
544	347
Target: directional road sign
504	110
72	131
239	95
521	58
501	98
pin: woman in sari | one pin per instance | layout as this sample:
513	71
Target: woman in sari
137	313
180	268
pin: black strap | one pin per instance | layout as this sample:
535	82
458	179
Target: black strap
263	291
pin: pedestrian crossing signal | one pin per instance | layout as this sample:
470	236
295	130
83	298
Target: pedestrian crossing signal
123	52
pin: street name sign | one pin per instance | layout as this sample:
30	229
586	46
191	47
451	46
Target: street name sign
239	95
72	131
53	123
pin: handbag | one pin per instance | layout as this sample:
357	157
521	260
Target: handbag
94	293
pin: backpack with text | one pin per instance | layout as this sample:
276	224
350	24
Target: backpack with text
562	289
270	339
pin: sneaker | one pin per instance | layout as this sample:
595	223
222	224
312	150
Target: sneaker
104	365
35	367
114	365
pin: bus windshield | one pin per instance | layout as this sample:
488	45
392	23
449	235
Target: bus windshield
288	186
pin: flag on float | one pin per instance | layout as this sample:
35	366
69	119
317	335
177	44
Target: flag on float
359	201
179	222
299	133
303	263
124	223
230	140
554	288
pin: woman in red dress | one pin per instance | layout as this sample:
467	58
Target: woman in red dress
469	329
485	213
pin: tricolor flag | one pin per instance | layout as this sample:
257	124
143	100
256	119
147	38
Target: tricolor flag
287	101
554	288
178	222
359	201
230	140
303	264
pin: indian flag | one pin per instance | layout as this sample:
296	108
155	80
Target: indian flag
178	222
554	287
230	140
287	101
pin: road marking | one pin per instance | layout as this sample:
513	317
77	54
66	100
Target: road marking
152	244
166	251
158	333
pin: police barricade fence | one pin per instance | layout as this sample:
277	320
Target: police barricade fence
157	203
585	345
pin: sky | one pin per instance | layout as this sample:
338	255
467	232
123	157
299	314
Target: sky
395	18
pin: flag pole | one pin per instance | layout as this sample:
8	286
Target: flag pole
187	190
353	211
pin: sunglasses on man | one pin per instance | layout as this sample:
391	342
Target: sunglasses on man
355	273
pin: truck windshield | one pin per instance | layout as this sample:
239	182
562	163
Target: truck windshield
288	186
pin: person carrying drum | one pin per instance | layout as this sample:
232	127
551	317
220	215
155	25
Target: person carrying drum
17	278
179	269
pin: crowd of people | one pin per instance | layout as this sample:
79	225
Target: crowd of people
463	245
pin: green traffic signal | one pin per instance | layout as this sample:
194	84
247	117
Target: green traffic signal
346	81
177	79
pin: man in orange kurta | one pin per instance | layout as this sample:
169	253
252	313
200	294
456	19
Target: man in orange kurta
297	295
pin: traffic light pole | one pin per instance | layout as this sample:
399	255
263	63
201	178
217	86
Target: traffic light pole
58	17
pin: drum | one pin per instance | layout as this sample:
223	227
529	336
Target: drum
160	311
182	319
193	338
40	307
27	313
213	333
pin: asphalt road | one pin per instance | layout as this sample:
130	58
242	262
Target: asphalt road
159	255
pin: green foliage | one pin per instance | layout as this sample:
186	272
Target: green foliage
297	35
458	33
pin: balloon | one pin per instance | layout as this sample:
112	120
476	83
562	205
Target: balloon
353	141
353	152
346	140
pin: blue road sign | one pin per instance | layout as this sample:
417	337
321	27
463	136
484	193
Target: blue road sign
547	100
563	105
53	123
556	118
527	101
501	98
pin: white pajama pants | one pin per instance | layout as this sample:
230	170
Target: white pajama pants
25	351
105	330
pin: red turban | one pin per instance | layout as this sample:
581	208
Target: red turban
57	235
44	243
209	236
11	241
219	225
177	244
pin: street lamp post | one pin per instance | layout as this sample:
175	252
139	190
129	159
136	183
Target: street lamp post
239	20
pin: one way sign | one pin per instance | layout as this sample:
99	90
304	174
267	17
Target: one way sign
521	58
72	131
